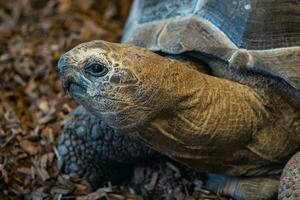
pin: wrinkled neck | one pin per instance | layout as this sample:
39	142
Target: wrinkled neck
187	86
209	110
181	81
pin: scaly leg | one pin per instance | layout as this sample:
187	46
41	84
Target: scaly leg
90	149
256	188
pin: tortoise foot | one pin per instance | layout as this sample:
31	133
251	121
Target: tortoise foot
260	188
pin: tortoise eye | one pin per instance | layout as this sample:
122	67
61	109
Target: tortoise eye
96	69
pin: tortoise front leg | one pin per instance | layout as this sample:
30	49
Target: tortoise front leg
289	188
90	149
244	188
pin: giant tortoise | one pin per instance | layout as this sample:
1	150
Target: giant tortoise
212	84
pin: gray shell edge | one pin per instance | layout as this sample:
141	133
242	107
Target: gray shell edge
173	35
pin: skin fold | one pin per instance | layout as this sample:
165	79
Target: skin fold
232	123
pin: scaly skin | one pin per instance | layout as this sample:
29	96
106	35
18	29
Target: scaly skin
208	123
89	149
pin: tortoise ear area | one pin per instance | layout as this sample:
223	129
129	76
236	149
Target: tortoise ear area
123	76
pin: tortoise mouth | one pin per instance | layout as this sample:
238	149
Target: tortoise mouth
76	89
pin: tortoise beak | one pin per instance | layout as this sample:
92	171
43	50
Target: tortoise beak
72	80
65	81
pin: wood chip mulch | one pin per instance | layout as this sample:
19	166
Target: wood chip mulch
33	35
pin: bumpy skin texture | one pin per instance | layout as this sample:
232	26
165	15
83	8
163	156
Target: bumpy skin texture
89	149
290	180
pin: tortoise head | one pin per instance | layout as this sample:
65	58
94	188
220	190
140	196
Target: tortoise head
122	84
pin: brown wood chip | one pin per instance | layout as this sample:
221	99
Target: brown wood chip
30	147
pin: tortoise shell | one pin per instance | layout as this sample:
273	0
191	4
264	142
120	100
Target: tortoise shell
257	35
